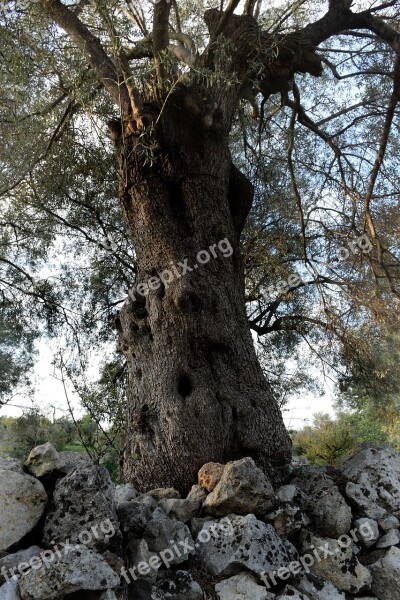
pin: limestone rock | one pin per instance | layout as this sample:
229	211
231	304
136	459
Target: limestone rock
10	590
391	538
390	522
142	564
22	502
163	534
374	475
337	564
287	493
242	489
125	493
290	593
178	586
197	493
367	531
242	543
73	460
180	509
386	575
45	461
163	493
11	464
287	519
78	568
242	587
209	475
318	589
17	559
84	510
133	517
323	503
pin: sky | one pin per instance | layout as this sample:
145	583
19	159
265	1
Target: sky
50	396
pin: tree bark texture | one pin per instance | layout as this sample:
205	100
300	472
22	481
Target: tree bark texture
196	391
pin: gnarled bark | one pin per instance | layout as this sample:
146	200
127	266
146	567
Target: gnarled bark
196	391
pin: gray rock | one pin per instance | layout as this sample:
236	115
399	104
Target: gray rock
367	531
386	575
323	503
242	543
148	501
45	461
10	590
142	564
18	559
78	568
390	522
84	510
197	524
391	538
242	587
374	486
318	589
287	520
287	493
242	489
177	586
197	493
290	593
163	493
168	537
133	517
73	460
22	503
11	464
125	493
336	563
182	510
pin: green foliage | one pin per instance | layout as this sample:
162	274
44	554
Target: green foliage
19	435
329	439
66	260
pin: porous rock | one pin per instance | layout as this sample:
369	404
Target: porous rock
84	510
163	533
242	587
319	589
23	500
367	531
374	486
209	475
17	559
323	503
180	509
386	575
240	543
125	493
337	563
242	489
45	461
75	569
177	586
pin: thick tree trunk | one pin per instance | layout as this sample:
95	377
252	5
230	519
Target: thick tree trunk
196	391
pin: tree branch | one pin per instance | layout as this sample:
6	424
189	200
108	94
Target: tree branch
95	54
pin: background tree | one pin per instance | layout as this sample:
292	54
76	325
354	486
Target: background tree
173	92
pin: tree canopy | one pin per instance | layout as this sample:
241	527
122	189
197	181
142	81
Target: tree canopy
320	145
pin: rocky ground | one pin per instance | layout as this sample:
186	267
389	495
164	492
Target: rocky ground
66	532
